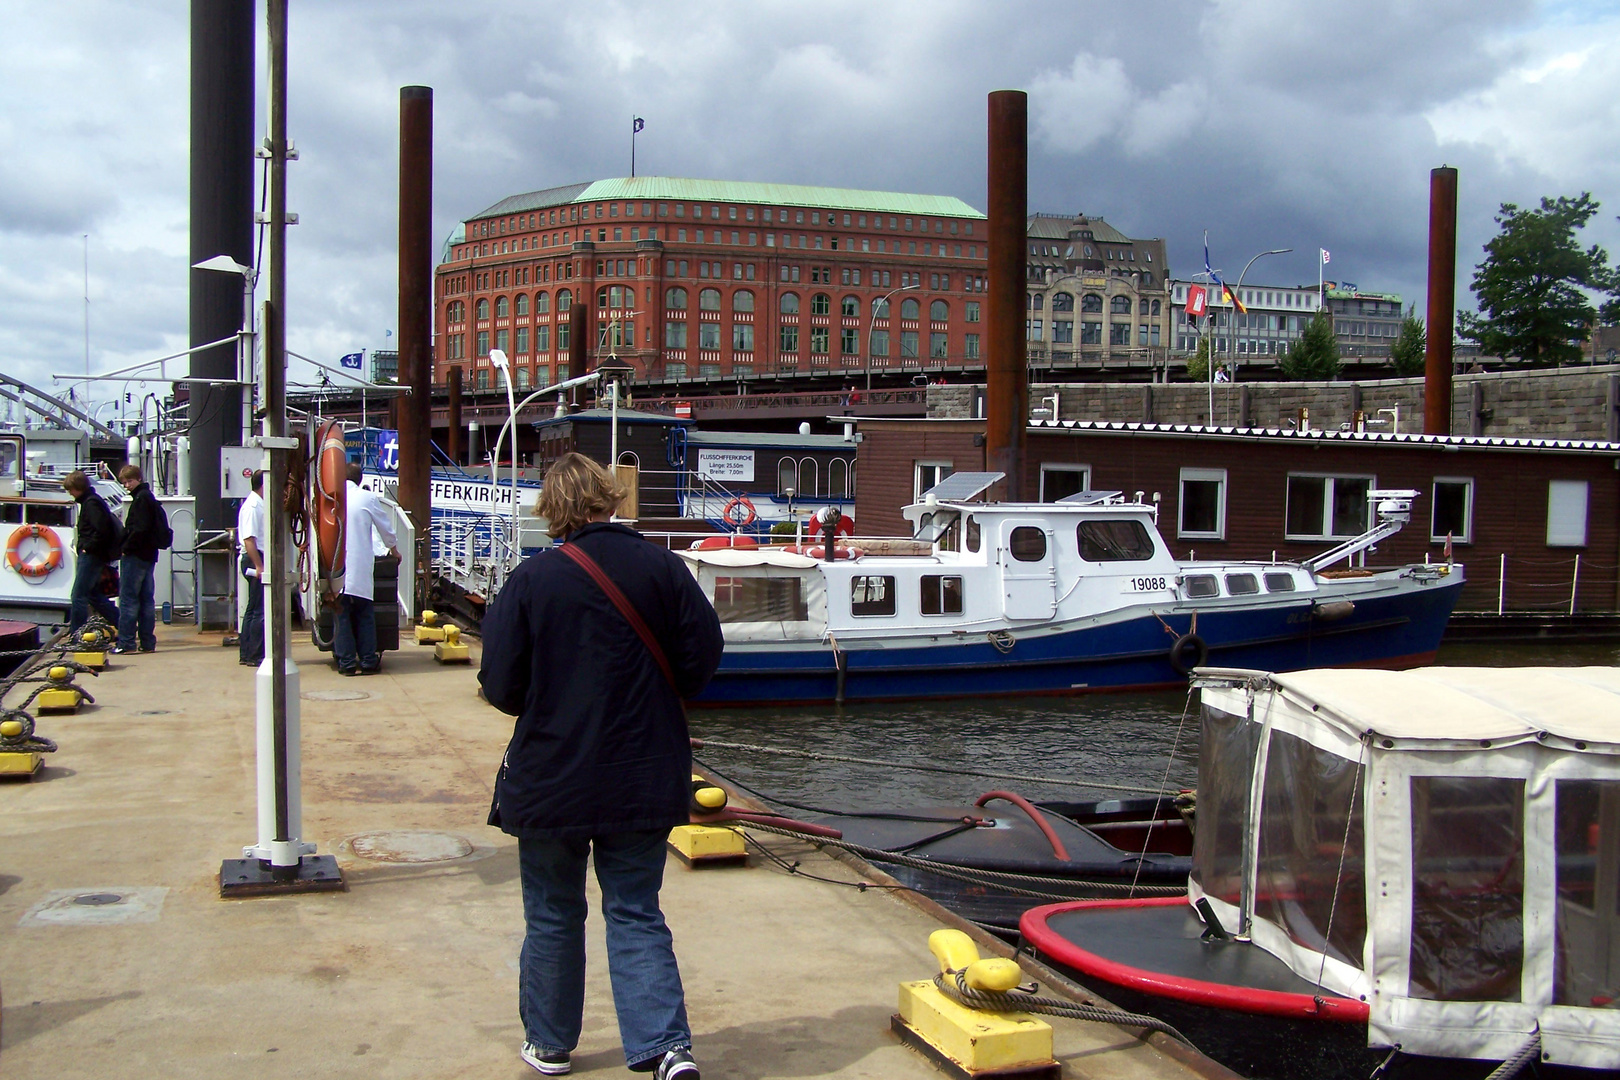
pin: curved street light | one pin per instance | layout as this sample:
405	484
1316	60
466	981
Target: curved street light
872	326
1231	329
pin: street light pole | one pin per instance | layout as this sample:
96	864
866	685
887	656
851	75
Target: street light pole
1231	332
872	326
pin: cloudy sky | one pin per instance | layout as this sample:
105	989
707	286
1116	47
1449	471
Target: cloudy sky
1269	123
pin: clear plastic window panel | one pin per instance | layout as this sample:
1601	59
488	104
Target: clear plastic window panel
1586	969
1225	763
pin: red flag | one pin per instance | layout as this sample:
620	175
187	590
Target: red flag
1197	301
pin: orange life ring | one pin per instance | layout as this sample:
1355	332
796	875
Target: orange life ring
846	526
329	507
741	521
34	569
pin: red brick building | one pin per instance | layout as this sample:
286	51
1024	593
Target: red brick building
705	280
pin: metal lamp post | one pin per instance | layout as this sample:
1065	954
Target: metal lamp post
872	326
1231	331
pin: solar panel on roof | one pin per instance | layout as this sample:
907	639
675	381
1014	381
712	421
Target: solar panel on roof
1088	498
959	487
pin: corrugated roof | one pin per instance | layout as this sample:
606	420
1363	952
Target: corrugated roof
737	191
1499	442
1055	227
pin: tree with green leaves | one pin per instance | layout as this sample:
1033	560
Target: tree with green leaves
1407	352
1198	362
1316	354
1534	283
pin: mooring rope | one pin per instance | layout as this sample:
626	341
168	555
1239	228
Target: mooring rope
956	989
818	755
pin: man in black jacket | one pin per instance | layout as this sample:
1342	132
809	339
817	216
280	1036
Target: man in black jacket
599	761
146	532
97	540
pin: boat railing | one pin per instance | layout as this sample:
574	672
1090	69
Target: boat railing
1390	510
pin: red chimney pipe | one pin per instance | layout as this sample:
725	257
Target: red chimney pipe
1442	300
1007	391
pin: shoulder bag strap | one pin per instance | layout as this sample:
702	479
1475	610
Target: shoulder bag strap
626	608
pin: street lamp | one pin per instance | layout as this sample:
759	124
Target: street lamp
882	301
1231	331
244	339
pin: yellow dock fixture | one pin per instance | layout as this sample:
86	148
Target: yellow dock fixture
60	694
92	648
429	632
21	751
451	650
970	1042
702	846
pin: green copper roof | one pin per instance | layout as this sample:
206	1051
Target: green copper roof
737	191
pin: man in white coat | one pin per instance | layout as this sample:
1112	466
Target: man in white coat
354	632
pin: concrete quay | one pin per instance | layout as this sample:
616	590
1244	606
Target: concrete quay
412	971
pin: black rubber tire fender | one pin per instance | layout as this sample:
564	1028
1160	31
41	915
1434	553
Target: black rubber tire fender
1188	652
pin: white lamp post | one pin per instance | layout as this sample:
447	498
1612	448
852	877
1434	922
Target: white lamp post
883	302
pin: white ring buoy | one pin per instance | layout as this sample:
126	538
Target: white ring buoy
739	512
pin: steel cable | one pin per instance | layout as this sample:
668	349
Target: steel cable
1015	1001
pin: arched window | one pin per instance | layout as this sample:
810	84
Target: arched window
787	476
502	307
742	300
838	479
1142	306
820	304
1155	307
601	297
909	308
1120	305
939	311
675	298
880	308
790	303
520	305
808	477
542	303
850	307
565	300
1091	302
483	309
1062	301
709	300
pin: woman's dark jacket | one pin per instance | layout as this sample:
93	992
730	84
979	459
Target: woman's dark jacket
97	531
600	743
141	525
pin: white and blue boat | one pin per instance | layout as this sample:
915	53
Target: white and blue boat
1052	598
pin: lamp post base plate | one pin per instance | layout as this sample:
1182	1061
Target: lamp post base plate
240	878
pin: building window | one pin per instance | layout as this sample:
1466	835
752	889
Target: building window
542	303
788	338
970	346
1091	302
1326	507
908	344
1063	331
939	311
542	339
522	341
850	341
789	303
880	343
522	378
938	345
1119	333
910	309
850	307
1566	513
871	594
483	379
520	305
820	304
1090	333
742	337
565	300
970	311
1141	334
818	340
675	298
674	335
708	335
709	300
925	474
1062	301
941	594
742	300
483	343
483	310
1120	305
674	371
1453	511
1202	506
1060	481
1035	330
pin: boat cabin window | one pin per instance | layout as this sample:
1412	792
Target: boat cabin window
57	515
1198	586
933	526
941	595
1114	541
1467	888
1587	942
1279	582
1027	543
975	534
1242	584
1226	750
871	594
755	599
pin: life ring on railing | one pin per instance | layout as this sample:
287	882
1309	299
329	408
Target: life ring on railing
739	513
846	526
710	543
820	552
34	569
1188	652
329	507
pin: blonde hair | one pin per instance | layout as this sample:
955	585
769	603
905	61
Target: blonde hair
575	490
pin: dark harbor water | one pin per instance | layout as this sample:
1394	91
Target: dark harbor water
1121	739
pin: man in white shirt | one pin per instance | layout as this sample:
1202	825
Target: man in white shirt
250	534
354	628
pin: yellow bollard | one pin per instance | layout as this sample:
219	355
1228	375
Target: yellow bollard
970	1042
451	650
430	632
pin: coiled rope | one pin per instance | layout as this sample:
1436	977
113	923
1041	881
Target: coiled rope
955	987
1514	1065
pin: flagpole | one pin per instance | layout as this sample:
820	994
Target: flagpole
632	148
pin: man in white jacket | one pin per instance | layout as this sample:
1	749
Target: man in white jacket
354	631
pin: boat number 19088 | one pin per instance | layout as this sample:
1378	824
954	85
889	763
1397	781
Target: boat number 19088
1146	584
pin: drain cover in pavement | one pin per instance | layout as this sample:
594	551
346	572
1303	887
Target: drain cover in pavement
410	847
334	695
96	907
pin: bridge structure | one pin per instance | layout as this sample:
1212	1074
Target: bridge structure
59	412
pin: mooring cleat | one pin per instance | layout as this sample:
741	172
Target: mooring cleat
451	650
700	846
429	632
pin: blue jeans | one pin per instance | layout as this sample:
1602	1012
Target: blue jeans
354	634
250	642
87	593
135	615
647	992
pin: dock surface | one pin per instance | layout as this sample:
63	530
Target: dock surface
411	972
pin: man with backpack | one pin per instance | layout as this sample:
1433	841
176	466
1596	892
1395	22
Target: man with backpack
146	532
98	539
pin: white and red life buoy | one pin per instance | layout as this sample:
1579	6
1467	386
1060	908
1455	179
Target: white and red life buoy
732	540
739	513
39	567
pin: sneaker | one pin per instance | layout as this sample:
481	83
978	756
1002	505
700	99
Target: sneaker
145	648
119	650
676	1063
348	671
549	1062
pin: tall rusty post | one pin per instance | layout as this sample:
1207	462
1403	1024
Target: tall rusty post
1007	392
453	436
1442	300
416	317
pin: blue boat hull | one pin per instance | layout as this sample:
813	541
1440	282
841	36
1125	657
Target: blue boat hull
1402	629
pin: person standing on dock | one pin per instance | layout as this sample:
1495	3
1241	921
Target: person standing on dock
250	533
97	540
146	532
354	625
593	652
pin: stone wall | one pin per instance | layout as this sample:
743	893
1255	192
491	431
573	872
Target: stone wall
1562	404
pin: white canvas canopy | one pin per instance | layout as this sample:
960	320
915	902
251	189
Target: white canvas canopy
762	594
1443	844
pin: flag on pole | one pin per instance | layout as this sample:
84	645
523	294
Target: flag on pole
1232	297
1327	256
637	125
1197	301
352	361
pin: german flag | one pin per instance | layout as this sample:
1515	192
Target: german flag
1232	298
